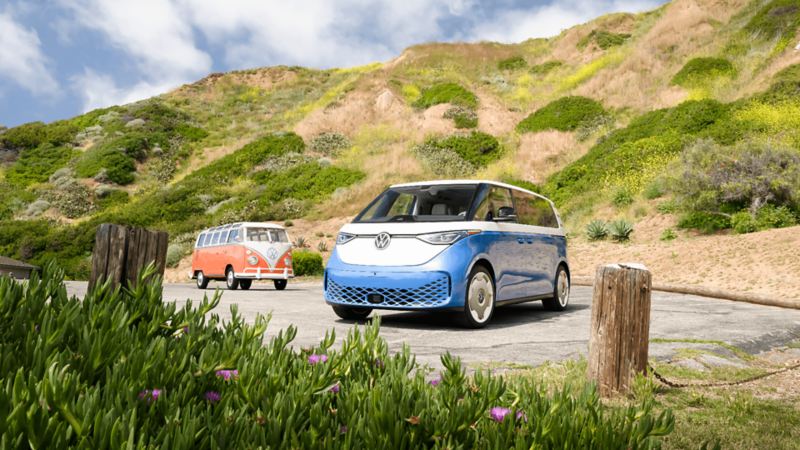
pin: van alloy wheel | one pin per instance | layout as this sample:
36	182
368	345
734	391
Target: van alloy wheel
230	279
561	286
479	304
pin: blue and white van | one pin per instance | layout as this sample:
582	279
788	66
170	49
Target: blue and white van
461	245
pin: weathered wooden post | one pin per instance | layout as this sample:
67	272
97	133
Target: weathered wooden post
620	328
120	253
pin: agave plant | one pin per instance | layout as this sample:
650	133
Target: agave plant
322	247
596	230
300	242
620	230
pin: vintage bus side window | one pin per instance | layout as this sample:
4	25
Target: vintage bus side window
223	238
215	238
199	242
533	210
234	236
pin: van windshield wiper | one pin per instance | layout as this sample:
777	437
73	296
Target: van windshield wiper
402	218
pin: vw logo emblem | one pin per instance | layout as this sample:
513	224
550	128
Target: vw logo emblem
272	253
382	241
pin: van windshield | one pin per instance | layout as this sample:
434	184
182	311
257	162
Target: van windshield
435	203
263	234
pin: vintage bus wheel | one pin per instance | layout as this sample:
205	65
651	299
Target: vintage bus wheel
230	279
479	302
202	281
280	284
560	298
245	284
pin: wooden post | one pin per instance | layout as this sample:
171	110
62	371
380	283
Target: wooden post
120	253
620	328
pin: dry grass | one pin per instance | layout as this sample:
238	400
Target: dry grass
542	154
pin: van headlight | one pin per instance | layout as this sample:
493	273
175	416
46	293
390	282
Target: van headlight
343	238
446	237
252	260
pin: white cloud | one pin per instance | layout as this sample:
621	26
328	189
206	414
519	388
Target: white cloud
21	58
100	90
549	20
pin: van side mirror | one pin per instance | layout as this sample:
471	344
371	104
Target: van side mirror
506	214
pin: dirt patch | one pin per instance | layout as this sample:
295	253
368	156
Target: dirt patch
541	154
493	117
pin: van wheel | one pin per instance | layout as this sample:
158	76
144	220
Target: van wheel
245	284
560	298
347	313
202	281
479	302
280	284
230	279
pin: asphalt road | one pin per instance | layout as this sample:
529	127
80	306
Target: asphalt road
518	334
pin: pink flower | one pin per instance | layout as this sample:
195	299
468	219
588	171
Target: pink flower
213	396
228	374
314	359
335	388
343	429
499	413
150	395
435	382
521	415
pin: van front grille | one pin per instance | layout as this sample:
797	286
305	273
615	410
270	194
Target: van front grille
434	293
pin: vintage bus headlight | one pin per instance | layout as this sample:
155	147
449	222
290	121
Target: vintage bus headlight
343	238
287	261
252	260
447	237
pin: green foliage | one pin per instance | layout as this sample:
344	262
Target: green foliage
124	369
704	222
71	198
176	252
743	222
512	63
668	235
767	217
26	136
305	263
656	189
462	117
476	148
107	198
117	166
777	20
620	230
622	197
596	230
700	71
452	93
304	182
545	67
329	143
35	165
443	162
564	114
604	39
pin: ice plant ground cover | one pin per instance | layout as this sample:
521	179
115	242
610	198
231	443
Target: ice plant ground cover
122	368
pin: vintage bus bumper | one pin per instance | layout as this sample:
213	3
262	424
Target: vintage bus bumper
258	273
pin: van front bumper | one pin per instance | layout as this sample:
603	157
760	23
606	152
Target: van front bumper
258	273
438	284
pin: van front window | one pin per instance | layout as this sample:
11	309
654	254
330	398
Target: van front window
262	234
435	203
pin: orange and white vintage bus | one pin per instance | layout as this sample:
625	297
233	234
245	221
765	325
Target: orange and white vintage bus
242	252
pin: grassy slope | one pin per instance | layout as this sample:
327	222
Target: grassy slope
372	105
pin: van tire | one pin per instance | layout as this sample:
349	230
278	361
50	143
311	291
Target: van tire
202	281
245	284
480	280
348	313
280	284
561	287
230	279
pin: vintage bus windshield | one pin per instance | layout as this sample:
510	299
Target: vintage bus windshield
263	234
435	203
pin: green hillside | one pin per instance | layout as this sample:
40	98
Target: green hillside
703	124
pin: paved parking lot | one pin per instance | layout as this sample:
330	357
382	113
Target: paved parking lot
522	334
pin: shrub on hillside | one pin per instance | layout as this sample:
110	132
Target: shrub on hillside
71	198
512	63
596	230
777	20
165	375
443	162
620	230
603	39
452	93
35	165
462	117
119	167
306	262
699	71
476	148
564	114
329	143
545	67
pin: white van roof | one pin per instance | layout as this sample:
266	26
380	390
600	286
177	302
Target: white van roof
451	182
228	226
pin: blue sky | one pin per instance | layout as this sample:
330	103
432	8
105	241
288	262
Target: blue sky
59	58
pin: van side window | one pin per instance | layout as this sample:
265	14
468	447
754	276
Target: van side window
200	240
533	210
234	236
215	238
223	238
489	207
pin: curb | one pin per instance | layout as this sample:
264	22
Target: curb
706	292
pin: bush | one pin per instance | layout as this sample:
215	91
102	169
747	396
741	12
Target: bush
669	235
596	230
37	164
620	230
71	198
545	67
458	154
779	20
26	136
306	263
179	377
604	39
452	93
564	114
119	167
704	222
175	253
444	163
622	197
770	216
462	117
699	71
329	143
743	222
512	63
